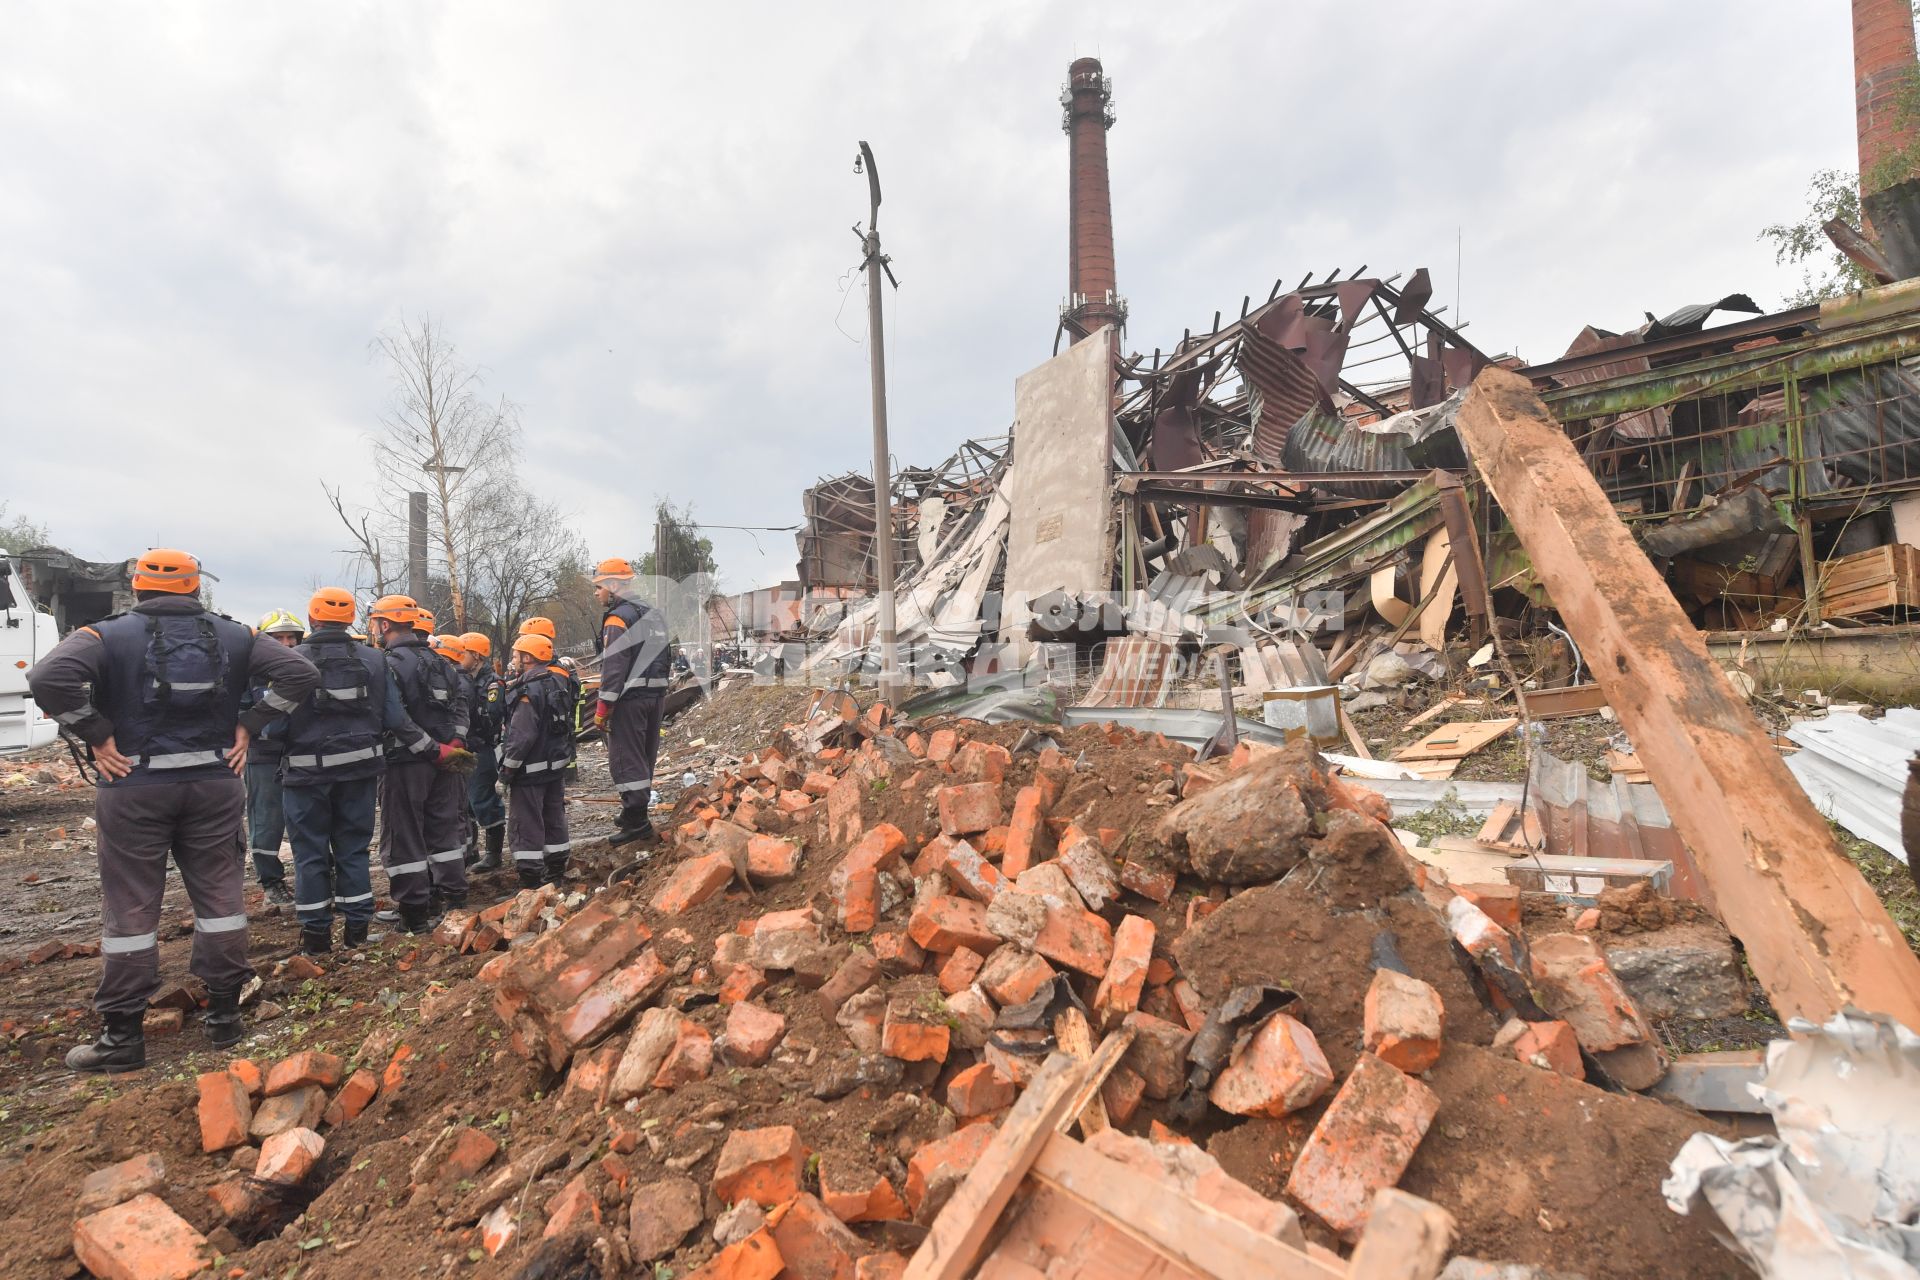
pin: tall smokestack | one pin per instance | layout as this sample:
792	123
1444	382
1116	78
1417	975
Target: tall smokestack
1093	297
1883	64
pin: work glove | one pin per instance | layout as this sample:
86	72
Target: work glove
455	759
460	743
602	712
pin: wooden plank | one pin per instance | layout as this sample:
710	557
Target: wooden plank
1573	700
1075	1037
1456	741
1440	708
1176	1226
1406	1238
1355	743
1816	935
1098	1068
964	1224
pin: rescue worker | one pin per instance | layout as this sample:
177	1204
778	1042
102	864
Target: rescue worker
266	822
484	723
335	756
156	694
635	661
533	761
449	882
415	808
561	667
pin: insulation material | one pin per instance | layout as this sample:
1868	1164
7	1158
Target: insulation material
1855	769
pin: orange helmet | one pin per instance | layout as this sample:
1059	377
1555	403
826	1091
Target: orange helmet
476	642
611	571
539	646
330	604
448	647
423	620
400	609
537	627
163	569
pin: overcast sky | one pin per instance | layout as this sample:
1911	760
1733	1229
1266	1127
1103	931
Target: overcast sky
636	218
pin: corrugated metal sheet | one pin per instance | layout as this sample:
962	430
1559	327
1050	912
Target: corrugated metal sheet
1855	770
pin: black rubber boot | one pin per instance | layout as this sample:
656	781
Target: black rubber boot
496	843
354	934
420	919
316	939
625	834
222	1019
121	1046
472	852
557	872
453	902
531	877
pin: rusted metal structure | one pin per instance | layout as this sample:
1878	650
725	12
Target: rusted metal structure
1093	288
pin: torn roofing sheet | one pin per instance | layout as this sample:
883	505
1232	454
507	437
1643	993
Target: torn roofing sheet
1855	770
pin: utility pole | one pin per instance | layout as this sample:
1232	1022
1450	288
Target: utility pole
440	471
891	681
417	545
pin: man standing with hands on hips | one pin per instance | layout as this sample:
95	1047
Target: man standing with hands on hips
156	695
635	667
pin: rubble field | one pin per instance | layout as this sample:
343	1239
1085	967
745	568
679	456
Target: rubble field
786	1036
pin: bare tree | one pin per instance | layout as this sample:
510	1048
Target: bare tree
440	434
369	546
515	548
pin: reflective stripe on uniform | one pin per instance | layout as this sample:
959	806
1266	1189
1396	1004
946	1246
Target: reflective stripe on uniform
183	759
448	855
539	766
529	855
560	848
273	852
510	763
328	762
349	901
422	743
219	924
313	906
406	869
121	946
279	702
641	784
347	694
191	686
84	711
440	695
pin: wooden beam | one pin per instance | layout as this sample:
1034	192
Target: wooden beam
966	1221
1173	1225
1817	937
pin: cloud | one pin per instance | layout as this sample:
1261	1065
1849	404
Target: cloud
637	219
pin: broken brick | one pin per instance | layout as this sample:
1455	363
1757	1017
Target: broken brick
498	1229
941	744
945	923
309	1066
897	953
646	1049
979	1091
1501	902
755	1258
1159	1054
854	884
1363	1143
1086	866
1012	976
1076	938
762	1165
1551	1046
813	1243
689	1057
959	971
856	973
939	1167
140	1239
743	982
693	882
783	939
1157	886
223	1109
661	1215
162	1022
289	1156
881	1266
1281	1070
970	873
771	858
909	1035
751	1033
1122	1092
971	1015
118	1183
1028	840
249	1074
1574	982
1404	1021
968	807
854	1193
571	1208
1119	991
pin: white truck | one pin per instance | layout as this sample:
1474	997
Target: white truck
26	633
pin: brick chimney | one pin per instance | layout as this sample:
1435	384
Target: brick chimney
1883	63
1093	297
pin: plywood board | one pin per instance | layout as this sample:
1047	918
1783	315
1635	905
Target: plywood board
1455	741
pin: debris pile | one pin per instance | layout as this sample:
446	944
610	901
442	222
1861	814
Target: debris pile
873	956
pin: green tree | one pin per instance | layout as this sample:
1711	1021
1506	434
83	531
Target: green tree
1833	193
19	533
678	549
